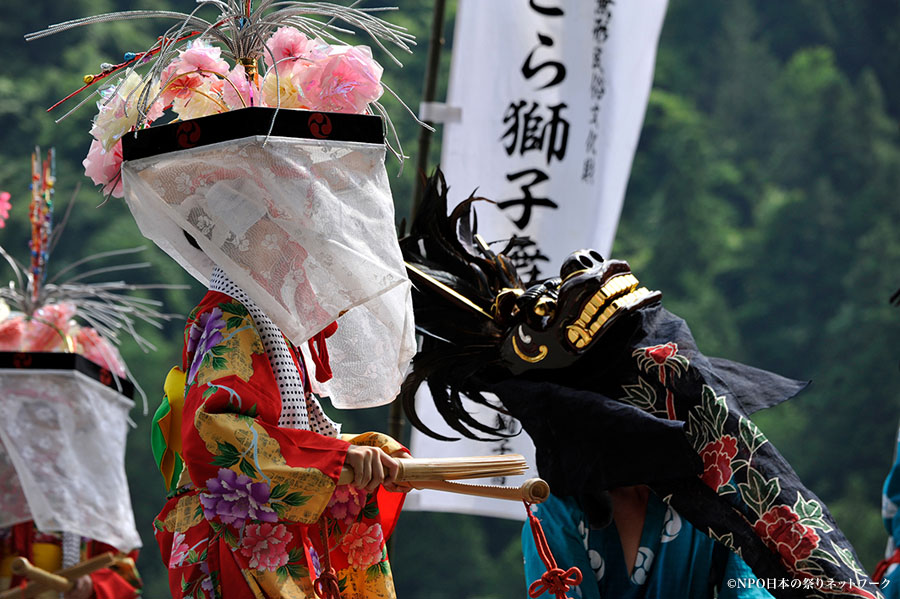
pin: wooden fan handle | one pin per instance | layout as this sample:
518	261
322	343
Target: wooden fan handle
533	490
42	581
22	567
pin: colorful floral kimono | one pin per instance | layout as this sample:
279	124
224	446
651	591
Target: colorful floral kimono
256	512
674	559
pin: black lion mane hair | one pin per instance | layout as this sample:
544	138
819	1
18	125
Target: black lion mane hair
456	281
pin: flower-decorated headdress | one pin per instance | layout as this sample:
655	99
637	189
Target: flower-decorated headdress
200	68
274	164
66	392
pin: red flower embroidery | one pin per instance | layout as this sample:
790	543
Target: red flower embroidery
663	357
266	545
782	531
363	544
661	353
717	456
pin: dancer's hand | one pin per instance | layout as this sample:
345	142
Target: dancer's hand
371	467
393	486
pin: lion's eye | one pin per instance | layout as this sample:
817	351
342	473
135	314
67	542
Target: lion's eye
545	306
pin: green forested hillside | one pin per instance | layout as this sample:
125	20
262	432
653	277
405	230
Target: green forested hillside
763	203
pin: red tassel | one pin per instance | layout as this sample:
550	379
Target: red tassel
555	580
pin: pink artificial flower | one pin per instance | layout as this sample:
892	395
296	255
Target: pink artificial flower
48	328
178	86
12	330
105	168
346	81
238	91
266	545
346	503
363	545
199	57
4	207
190	70
98	350
285	43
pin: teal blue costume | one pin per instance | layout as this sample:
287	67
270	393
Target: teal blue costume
889	575
674	559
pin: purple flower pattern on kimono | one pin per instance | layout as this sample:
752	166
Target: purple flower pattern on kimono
234	498
205	333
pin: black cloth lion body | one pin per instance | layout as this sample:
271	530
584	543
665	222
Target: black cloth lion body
614	392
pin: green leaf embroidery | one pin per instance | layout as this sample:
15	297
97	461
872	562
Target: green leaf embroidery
384	566
229	537
247	468
370	511
184	584
280	509
234	308
823	555
726	489
726	539
641	395
295	570
296	499
252	412
228	455
808	566
846	556
750	435
758	492
342	584
373	572
219	363
234	322
696	432
715	410
209	392
279	490
281	574
192	557
810	513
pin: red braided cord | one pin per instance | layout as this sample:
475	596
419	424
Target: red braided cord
326	585
555	580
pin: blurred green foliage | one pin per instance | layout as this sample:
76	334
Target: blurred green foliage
763	203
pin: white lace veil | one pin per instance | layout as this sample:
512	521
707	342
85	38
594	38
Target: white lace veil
306	227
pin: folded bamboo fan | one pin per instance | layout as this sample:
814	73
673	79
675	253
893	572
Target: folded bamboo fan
438	474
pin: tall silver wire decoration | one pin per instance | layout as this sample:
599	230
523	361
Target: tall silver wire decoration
111	308
242	30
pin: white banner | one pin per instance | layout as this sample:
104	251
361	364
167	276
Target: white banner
552	96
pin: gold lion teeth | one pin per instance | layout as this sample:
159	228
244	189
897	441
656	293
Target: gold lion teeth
578	336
